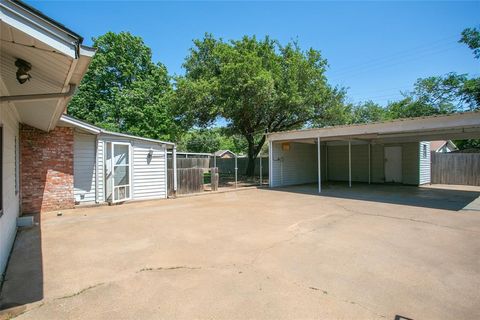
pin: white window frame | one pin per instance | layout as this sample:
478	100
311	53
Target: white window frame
112	159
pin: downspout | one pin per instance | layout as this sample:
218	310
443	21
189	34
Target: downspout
96	168
174	160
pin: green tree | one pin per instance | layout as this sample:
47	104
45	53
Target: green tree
468	144
437	95
258	86
201	140
471	37
368	112
211	140
124	91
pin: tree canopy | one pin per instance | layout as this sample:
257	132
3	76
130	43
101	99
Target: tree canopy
471	37
257	85
124	91
253	85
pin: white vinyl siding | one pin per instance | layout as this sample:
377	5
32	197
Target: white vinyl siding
84	167
299	164
149	174
425	162
101	170
377	163
295	166
11	201
410	165
338	162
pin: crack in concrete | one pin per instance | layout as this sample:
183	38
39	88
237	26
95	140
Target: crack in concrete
325	292
80	292
169	268
405	219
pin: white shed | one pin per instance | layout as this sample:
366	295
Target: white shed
115	167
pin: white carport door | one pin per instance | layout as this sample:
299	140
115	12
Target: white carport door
393	164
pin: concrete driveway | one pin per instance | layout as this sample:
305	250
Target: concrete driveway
375	252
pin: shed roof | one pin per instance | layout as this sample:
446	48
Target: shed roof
440	127
436	145
220	153
73	122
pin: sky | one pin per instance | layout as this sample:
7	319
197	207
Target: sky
374	49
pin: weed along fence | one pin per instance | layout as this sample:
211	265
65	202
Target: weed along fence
456	168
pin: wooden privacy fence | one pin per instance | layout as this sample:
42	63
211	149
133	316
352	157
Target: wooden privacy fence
188	180
456	168
189	163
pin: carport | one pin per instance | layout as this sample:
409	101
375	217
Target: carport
395	151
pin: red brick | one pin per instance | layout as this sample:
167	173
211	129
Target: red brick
46	169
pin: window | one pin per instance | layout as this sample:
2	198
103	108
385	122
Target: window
424	151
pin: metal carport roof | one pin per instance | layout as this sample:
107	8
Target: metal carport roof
464	125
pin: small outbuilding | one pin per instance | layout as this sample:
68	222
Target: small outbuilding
443	146
224	154
385	152
115	167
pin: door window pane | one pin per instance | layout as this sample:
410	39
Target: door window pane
120	152
121	175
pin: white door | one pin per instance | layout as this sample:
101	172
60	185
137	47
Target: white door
393	164
121	171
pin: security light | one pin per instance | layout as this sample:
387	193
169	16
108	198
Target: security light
22	72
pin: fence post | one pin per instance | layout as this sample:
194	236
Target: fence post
214	179
236	171
174	160
260	157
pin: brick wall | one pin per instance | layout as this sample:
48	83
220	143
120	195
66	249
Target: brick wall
46	169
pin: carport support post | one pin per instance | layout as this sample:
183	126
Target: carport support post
369	164
260	157
349	163
270	163
174	160
236	171
319	166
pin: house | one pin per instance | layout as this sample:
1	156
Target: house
443	146
41	63
384	152
224	154
113	167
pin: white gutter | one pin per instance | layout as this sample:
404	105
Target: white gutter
39	97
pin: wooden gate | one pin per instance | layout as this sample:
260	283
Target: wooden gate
456	168
189	180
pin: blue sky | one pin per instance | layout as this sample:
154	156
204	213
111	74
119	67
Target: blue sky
376	49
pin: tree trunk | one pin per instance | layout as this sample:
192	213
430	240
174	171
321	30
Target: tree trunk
250	167
252	153
251	158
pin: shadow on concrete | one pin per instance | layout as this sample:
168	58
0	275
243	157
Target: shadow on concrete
23	282
398	317
444	198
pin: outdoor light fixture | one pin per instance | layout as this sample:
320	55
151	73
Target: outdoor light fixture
150	154
22	72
